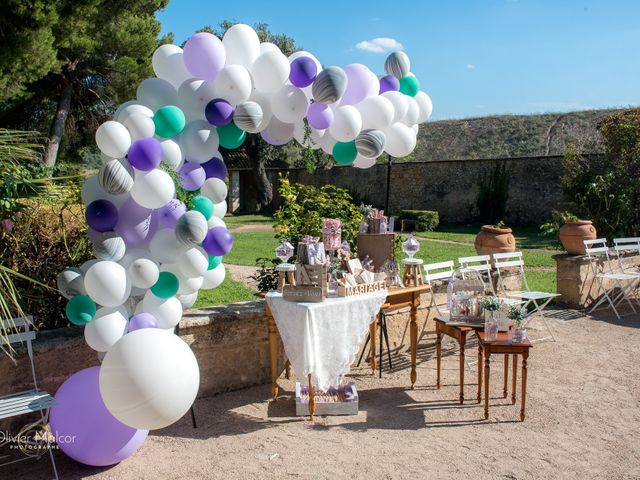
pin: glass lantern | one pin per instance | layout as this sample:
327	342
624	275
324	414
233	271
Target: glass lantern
284	252
465	293
410	246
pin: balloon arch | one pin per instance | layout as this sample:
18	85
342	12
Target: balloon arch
153	252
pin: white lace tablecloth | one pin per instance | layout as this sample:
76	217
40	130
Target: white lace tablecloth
323	338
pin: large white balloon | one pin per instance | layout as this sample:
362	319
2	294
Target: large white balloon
107	327
413	112
113	139
270	71
214	189
215	221
193	97
199	141
364	162
377	112
153	189
280	131
426	107
347	123
193	262
289	104
164	246
233	83
401	140
143	273
156	93
172	154
129	108
214	277
139	126
400	105
265	103
168	64
107	283
149	379
327	142
242	45
91	190
167	312
188	301
220	209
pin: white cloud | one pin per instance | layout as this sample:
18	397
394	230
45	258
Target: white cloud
379	45
471	66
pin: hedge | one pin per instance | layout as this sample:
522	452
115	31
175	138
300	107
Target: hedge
427	219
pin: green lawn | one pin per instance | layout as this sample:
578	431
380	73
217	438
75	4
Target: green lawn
229	292
247	246
526	237
238	220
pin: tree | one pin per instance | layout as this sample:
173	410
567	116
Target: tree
70	62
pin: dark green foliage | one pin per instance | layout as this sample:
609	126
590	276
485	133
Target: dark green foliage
493	193
428	220
266	276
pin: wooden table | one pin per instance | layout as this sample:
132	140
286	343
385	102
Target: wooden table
396	298
505	346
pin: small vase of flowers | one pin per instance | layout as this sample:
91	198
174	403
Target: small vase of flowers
518	314
491	305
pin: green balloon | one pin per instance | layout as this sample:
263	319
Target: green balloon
169	121
409	85
345	152
203	205
231	136
214	262
80	309
166	286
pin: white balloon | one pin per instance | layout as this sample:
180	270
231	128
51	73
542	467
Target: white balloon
164	246
167	311
401	140
327	142
168	64
193	262
269	47
193	97
172	154
265	103
215	221
199	141
270	71
156	93
214	277
129	108
377	112
280	131
415	129
233	83
86	266
143	273
214	189
153	189
70	281
400	105
347	123
133	255
220	209
113	139
289	104
426	107
91	191
188	301
149	379
107	327
413	112
364	162
242	45
139	126
107	283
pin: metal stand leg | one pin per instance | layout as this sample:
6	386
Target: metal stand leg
381	333
364	349
193	417
386	339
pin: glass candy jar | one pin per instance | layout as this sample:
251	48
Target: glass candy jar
465	292
410	246
284	252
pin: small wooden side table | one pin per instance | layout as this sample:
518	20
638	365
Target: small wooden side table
412	275
503	345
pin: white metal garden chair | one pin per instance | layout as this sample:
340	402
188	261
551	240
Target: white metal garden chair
618	284
625	248
526	296
482	265
30	401
433	272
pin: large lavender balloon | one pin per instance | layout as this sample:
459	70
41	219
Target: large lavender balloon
204	55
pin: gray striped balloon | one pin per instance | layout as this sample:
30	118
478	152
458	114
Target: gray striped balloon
371	143
248	116
109	246
329	85
397	64
191	228
116	177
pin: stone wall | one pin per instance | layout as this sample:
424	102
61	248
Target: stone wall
450	187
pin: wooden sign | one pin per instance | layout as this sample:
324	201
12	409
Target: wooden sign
360	289
303	293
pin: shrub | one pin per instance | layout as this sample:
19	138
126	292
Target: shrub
493	193
266	276
305	207
427	220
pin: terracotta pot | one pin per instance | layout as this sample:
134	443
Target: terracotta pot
573	234
492	239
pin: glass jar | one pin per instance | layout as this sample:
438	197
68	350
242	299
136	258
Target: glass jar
464	294
490	326
519	334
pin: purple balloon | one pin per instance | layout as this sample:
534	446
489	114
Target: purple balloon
319	116
142	320
303	71
101	215
136	224
145	154
215	168
360	83
218	241
169	214
389	83
204	55
192	176
83	427
219	112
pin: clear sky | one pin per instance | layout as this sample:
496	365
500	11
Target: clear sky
474	57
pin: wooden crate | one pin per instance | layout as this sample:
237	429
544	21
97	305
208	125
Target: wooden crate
379	247
323	407
304	293
315	275
360	289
